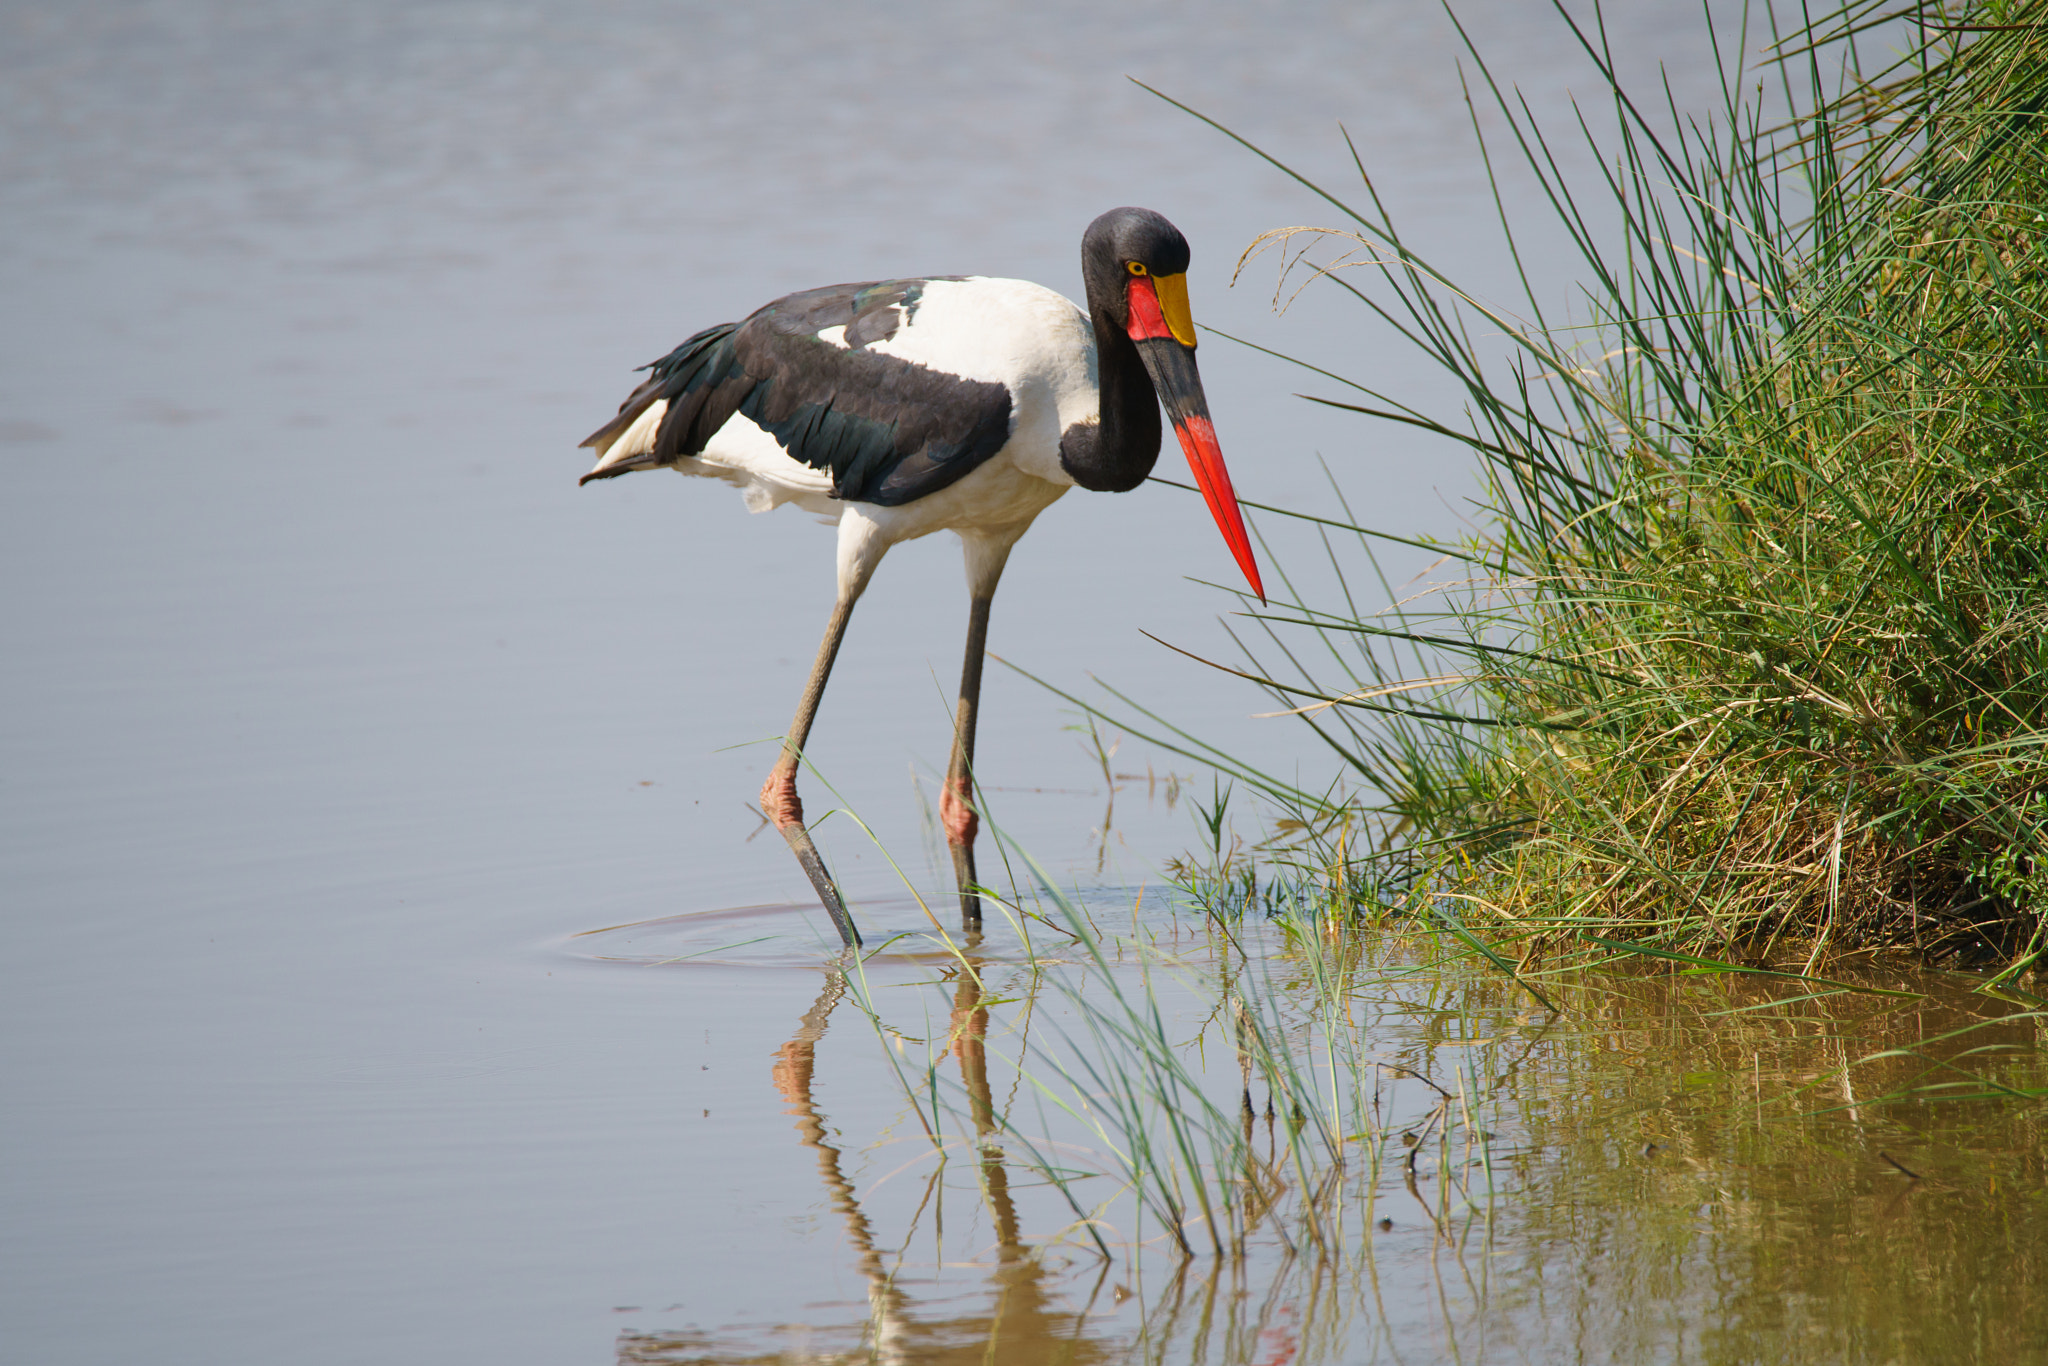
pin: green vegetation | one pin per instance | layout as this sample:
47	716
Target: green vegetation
1262	1093
1746	668
1749	656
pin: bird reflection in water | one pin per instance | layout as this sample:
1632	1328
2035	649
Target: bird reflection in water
1022	1324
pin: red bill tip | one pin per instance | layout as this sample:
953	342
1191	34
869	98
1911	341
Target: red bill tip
1205	458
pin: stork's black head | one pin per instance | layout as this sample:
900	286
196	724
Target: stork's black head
1121	239
1135	264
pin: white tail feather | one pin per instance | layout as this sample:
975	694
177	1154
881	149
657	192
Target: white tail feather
637	439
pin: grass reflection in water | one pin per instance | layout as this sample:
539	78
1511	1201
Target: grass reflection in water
1403	1158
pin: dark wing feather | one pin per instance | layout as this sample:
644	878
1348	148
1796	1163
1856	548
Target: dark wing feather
691	377
890	431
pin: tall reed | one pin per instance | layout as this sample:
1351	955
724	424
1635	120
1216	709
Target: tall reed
1750	652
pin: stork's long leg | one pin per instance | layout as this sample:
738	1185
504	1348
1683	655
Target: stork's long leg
778	794
956	805
986	555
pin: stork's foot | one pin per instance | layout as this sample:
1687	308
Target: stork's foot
779	803
957	815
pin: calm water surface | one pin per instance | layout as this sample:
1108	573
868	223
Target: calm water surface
336	716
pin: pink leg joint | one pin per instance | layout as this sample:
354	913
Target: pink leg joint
957	815
778	800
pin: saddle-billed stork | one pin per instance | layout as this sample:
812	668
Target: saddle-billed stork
902	407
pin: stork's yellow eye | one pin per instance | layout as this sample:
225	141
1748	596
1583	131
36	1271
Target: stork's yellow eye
1135	267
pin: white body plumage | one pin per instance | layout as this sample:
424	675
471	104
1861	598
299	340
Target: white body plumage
1026	337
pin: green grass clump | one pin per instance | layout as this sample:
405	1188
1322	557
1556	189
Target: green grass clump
1751	647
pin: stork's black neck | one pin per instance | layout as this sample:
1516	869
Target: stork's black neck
1116	452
